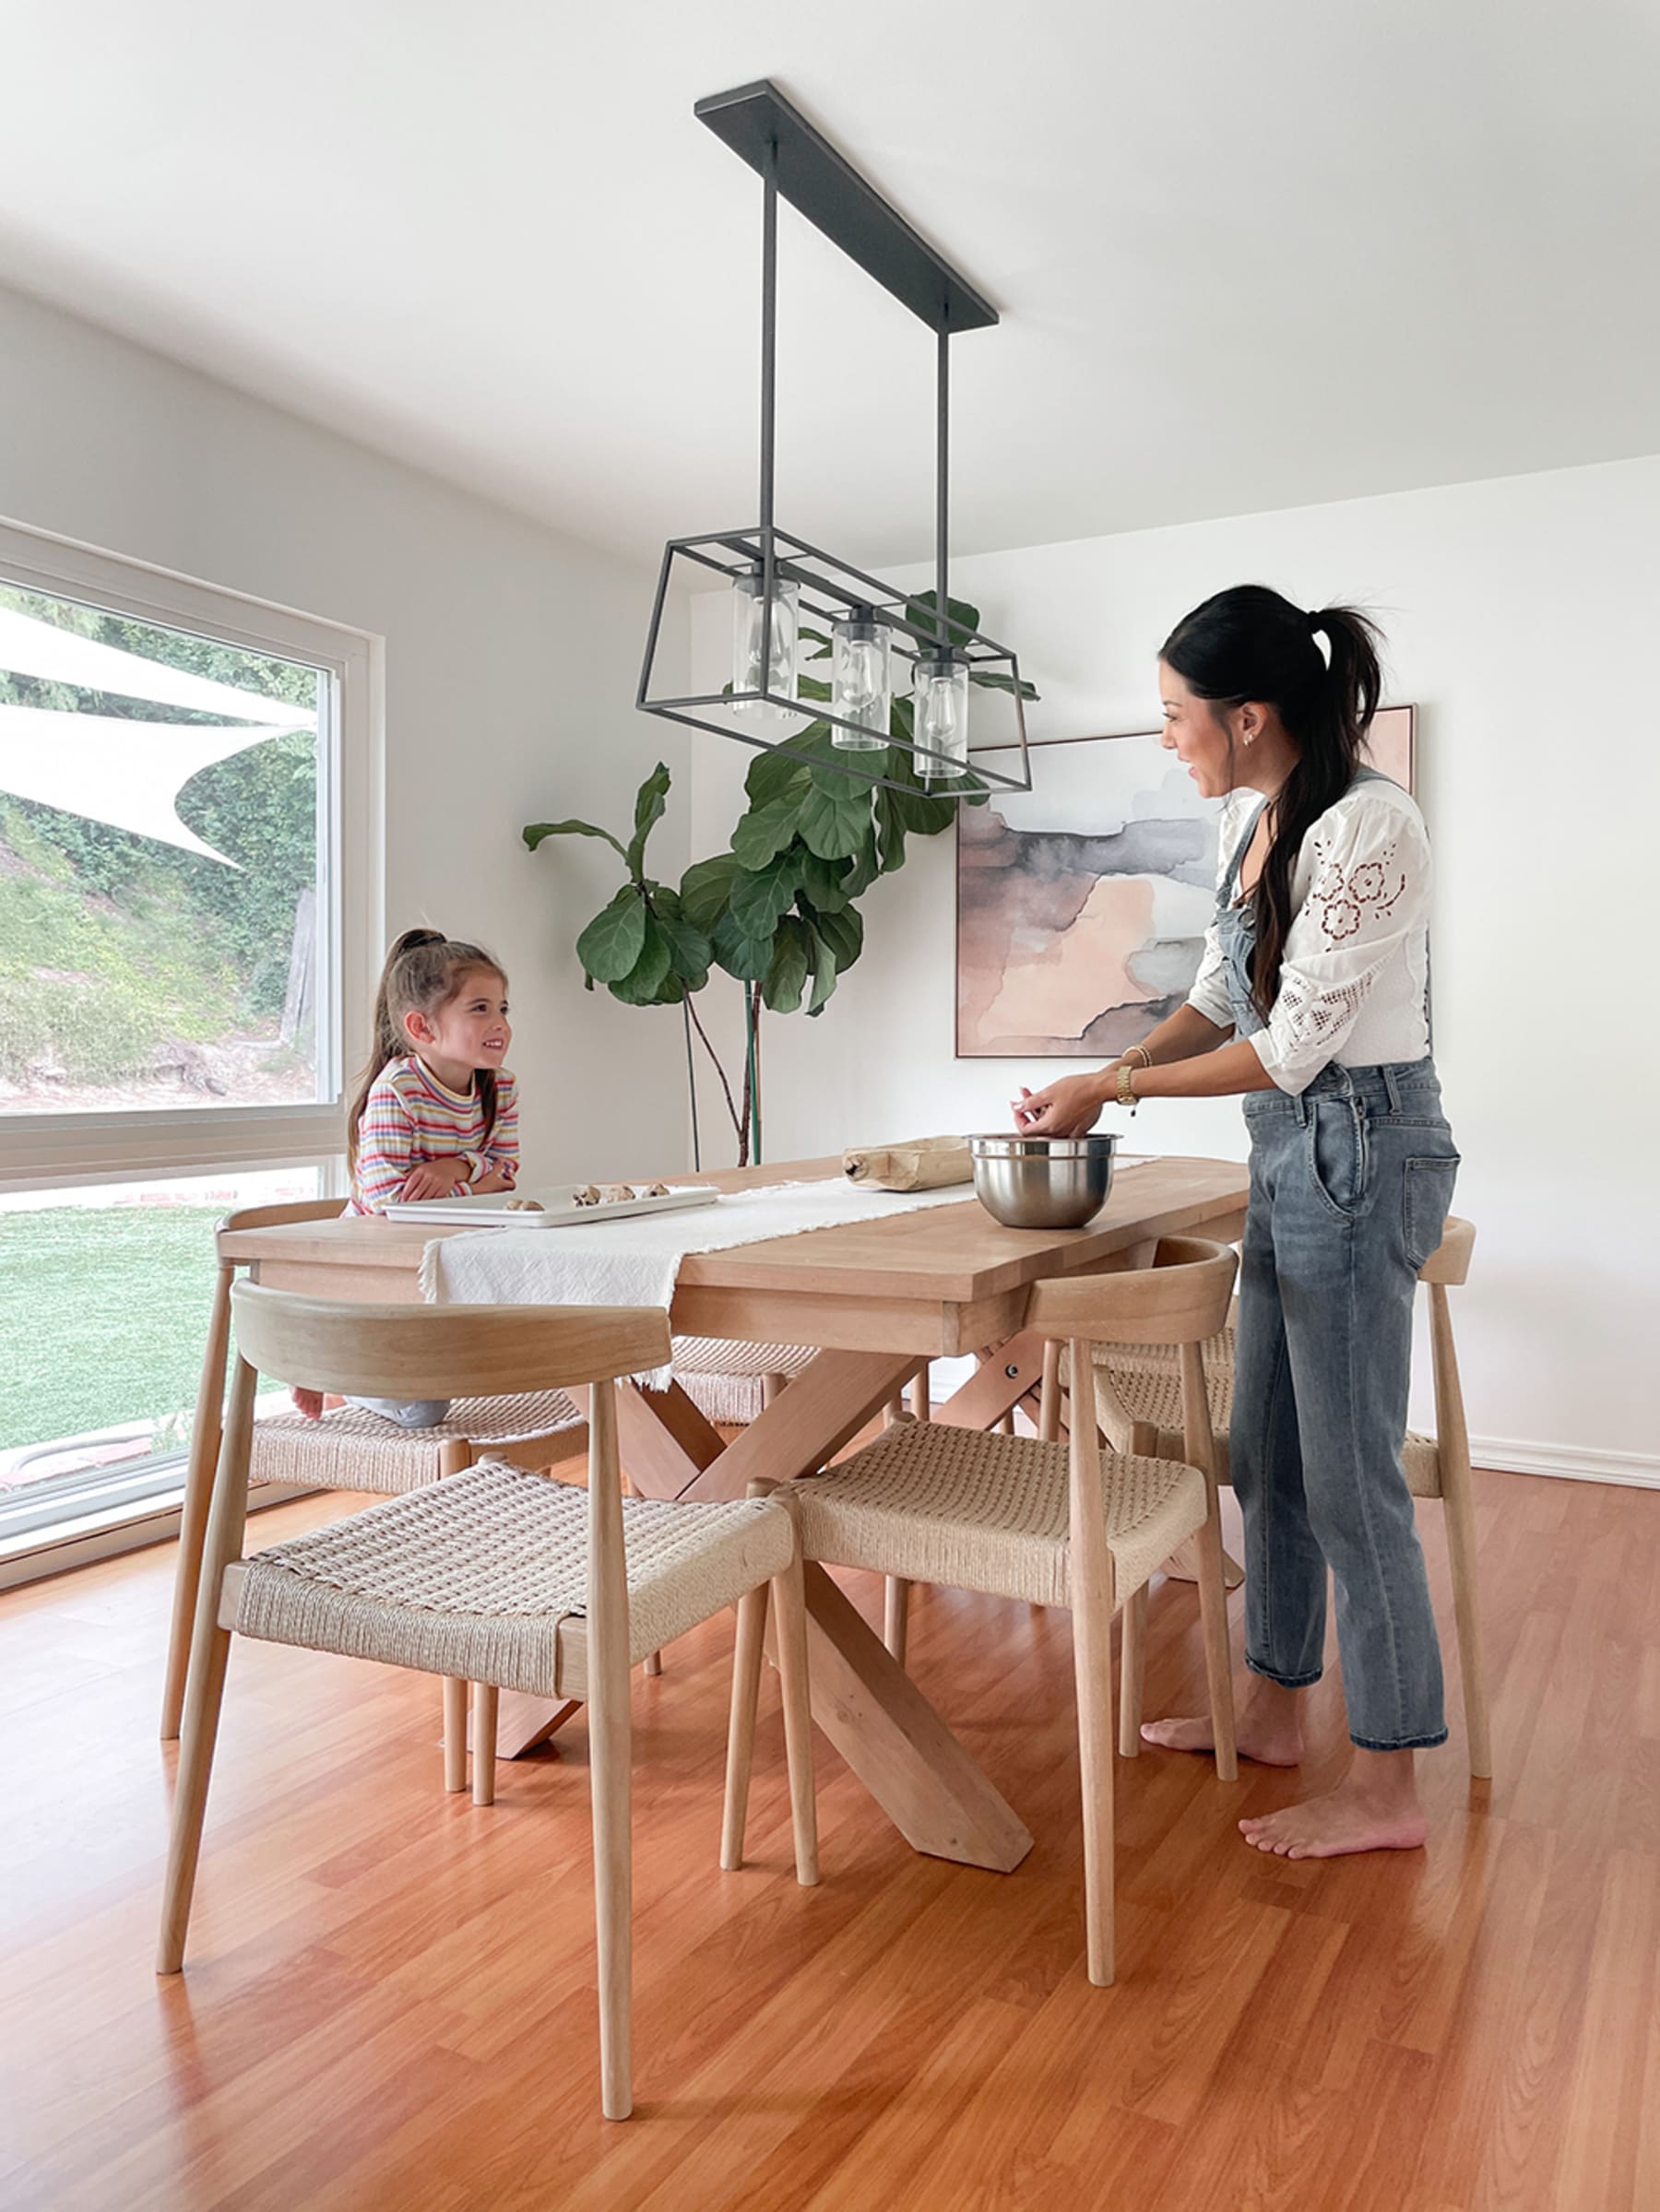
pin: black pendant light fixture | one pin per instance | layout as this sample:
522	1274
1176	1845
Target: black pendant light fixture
877	641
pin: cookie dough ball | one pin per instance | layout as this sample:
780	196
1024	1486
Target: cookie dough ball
584	1194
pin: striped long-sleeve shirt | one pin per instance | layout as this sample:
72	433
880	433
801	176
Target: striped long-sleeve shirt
409	1117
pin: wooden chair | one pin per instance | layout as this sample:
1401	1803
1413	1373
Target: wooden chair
495	1576
728	1381
1138	1406
348	1448
1047	1523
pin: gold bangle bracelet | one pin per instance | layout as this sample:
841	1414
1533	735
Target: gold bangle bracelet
1146	1058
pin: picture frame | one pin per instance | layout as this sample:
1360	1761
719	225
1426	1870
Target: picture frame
1082	904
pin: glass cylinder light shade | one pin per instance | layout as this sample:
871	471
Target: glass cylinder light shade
747	605
941	709
860	688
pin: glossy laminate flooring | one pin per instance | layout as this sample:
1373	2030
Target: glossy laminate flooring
389	1998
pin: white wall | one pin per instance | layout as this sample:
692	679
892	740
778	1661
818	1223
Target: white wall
1522	617
511	660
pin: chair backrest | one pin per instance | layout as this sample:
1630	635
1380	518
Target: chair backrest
441	1351
277	1217
1181	1300
1449	1261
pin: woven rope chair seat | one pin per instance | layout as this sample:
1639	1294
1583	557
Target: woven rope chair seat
352	1449
484	1575
1144	1383
932	1503
722	1376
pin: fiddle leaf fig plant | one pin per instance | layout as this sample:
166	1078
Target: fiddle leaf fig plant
776	911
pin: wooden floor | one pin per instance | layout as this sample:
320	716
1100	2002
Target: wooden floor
390	1998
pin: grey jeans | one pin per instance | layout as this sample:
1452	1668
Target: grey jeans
409	1413
1350	1185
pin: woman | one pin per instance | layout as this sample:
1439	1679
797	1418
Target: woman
1316	967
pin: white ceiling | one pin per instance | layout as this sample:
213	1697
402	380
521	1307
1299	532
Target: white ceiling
1248	252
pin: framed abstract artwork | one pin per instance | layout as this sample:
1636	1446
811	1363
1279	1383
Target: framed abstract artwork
1083	903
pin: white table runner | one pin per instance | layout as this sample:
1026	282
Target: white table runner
635	1261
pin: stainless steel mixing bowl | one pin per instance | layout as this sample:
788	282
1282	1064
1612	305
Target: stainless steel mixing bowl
1042	1182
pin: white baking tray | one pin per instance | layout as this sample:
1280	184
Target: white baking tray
485	1210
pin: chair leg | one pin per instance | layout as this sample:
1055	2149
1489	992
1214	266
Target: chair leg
485	1700
896	1616
1092	1600
1133	1667
454	1732
797	1719
190	1796
654	1660
1460	1554
1218	1659
204	1435
740	1731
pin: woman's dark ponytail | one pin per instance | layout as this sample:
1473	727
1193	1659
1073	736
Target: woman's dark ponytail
1251	643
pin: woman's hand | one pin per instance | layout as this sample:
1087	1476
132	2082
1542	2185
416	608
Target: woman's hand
1068	1108
434	1179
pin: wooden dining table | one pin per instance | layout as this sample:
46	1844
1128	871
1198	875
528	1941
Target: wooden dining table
877	1300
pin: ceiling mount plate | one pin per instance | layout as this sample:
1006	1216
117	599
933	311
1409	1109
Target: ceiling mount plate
825	187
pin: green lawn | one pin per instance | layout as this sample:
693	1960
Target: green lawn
102	1314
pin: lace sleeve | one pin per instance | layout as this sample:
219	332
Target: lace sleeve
1369	891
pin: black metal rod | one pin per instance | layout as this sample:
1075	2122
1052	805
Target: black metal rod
670	710
942	486
769	381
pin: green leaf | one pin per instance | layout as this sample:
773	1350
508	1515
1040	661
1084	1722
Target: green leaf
614	940
763	831
823	881
824	975
993	680
689	950
535	832
760	895
811	687
843	933
865	869
705	889
786	978
775	775
649	812
818	638
961	620
746	958
834	824
646	978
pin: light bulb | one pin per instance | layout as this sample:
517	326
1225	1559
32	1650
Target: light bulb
941	696
747	605
859	685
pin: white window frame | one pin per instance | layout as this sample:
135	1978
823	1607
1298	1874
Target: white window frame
65	1149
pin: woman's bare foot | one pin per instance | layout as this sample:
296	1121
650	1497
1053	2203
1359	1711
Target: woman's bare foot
1268	1729
1375	1807
308	1402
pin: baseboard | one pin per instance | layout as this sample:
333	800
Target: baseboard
1634	1470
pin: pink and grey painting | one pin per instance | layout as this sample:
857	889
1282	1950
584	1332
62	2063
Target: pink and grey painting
1083	903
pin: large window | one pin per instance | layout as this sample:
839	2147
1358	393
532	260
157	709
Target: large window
189	914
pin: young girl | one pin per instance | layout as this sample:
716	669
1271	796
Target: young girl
1316	965
437	1112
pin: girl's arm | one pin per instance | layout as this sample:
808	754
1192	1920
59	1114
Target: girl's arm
386	1150
495	1180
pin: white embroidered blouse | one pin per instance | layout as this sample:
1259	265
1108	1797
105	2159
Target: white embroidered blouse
1353	982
